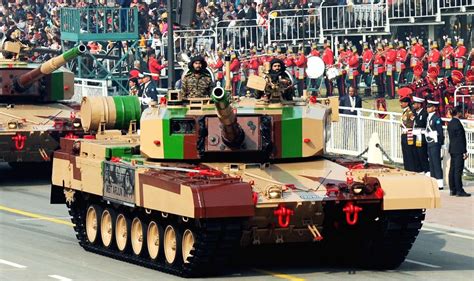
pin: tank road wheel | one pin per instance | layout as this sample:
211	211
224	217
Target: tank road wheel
137	236
154	238
93	223
172	245
107	227
122	230
187	245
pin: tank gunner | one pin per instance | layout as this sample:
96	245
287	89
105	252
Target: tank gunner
435	139
197	83
279	87
460	56
419	126
12	44
447	58
408	117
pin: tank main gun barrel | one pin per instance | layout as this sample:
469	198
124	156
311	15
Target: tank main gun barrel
22	83
232	133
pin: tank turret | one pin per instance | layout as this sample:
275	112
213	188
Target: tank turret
27	79
232	133
46	82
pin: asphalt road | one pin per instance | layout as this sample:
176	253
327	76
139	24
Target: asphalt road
37	242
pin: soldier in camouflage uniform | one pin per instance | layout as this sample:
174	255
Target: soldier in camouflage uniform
279	86
197	83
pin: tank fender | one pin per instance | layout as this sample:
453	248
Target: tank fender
409	191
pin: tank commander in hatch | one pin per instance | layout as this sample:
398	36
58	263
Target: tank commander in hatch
197	82
279	86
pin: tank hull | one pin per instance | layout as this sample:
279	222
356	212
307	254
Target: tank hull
238	201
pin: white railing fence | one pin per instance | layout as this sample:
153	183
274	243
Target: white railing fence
411	9
294	25
241	34
352	133
364	18
456	4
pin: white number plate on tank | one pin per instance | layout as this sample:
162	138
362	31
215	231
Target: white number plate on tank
42	127
310	196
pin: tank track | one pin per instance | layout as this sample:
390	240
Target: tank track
215	245
381	243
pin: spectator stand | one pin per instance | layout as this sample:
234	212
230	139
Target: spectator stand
294	26
114	30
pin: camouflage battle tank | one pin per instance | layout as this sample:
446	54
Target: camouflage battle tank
33	114
204	176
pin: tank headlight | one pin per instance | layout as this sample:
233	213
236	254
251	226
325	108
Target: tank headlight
274	191
76	124
12	125
357	188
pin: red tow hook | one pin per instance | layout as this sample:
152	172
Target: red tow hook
19	141
283	214
351	209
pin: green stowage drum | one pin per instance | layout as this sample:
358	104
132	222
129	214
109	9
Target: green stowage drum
115	112
127	109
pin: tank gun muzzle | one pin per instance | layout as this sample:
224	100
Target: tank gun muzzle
24	81
232	133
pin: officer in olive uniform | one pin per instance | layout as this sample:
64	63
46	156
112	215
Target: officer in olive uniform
419	126
435	139
408	117
197	83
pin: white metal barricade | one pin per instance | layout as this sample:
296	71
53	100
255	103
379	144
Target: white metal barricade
241	34
192	40
363	18
352	133
463	97
412	9
89	88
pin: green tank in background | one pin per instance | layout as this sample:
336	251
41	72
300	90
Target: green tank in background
34	111
205	176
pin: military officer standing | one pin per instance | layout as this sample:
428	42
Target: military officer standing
419	127
435	139
408	117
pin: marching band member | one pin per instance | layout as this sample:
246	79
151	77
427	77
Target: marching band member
417	52
353	72
300	63
447	58
367	57
434	55
328	59
235	71
390	59
460	56
400	66
379	69
218	67
314	50
341	79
